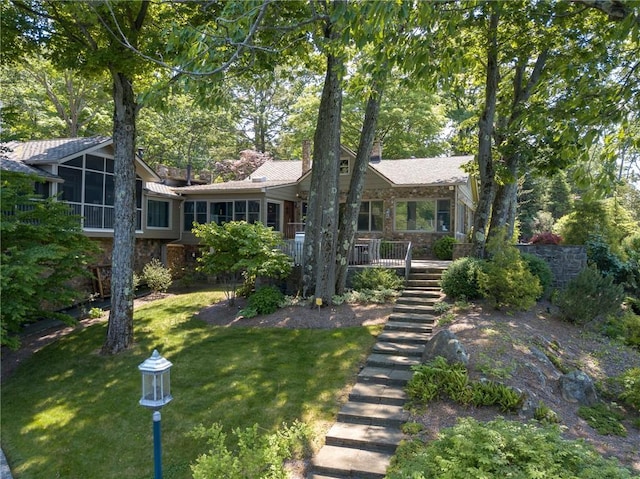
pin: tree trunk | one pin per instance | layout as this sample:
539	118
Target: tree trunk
120	327
505	197
349	224
485	159
322	214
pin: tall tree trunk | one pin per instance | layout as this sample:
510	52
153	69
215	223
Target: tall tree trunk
485	135
321	229
349	224
505	196
120	327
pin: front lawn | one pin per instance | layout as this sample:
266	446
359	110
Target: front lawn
69	412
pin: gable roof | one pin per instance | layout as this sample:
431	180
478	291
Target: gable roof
53	151
272	173
424	171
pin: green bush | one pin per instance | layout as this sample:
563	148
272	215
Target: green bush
501	448
443	247
588	296
377	279
603	419
541	269
505	279
256	455
624	327
460	279
157	276
266	300
630	382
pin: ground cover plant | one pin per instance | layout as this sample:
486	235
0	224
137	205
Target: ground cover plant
70	412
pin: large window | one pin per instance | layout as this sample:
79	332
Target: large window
89	188
426	216
239	210
194	212
370	216
157	214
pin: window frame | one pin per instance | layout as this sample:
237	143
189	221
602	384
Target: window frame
370	215
438	209
166	212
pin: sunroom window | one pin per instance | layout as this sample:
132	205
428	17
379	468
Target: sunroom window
426	216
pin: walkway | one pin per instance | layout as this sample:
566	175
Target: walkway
368	428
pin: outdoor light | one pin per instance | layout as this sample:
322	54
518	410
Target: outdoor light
156	392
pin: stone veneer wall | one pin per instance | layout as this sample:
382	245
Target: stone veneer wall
565	261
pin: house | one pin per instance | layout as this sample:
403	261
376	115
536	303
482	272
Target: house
416	199
81	172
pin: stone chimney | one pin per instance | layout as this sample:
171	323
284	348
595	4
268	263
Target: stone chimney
376	152
306	156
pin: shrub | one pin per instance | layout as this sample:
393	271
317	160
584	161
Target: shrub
256	455
266	300
502	448
460	279
588	296
603	419
630	383
541	269
157	276
505	280
545	414
377	279
625	327
546	238
443	247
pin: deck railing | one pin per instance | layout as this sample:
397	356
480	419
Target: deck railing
365	252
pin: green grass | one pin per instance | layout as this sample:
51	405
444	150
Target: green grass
69	412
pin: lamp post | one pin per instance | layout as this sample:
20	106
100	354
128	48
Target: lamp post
156	392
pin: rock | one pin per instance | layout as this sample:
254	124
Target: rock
445	344
577	387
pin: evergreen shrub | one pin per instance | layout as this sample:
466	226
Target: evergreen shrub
460	279
443	247
589	295
541	269
630	382
505	279
502	448
157	276
265	300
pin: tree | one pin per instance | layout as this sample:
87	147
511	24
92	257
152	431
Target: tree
241	250
43	249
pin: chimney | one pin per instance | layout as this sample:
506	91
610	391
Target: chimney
376	152
306	156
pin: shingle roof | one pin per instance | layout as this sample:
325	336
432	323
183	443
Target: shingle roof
52	151
8	162
279	170
160	189
424	171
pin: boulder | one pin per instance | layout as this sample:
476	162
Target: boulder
445	344
577	387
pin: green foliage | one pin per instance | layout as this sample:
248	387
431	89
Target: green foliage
443	247
460	280
604	419
248	312
157	276
438	378
588	296
95	313
255	455
412	428
266	300
624	327
441	307
377	279
541	269
505	279
630	382
240	249
43	248
501	448
545	414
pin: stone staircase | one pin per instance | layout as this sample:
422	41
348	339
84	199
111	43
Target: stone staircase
367	432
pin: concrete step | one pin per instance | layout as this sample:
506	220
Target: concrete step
343	462
390	361
404	337
386	376
373	414
412	308
378	393
365	437
423	326
399	349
